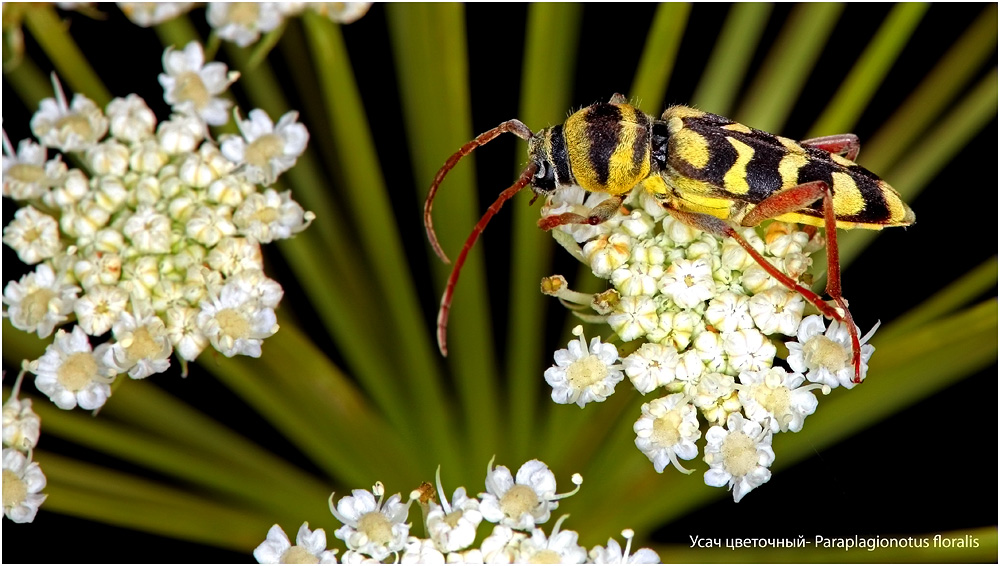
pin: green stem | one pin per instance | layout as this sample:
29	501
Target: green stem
72	66
730	57
658	56
769	99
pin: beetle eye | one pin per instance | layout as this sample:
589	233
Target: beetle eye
544	179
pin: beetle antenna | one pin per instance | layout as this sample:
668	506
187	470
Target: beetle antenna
449	290
513	126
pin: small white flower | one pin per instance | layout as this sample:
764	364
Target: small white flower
716	396
777	311
607	253
265	290
148	14
243	22
266	150
39	301
181	134
98	268
558	548
233	255
519	503
73	187
689	283
131	119
728	312
33	235
739	455
372	527
825	357
98	310
21	426
777	394
748	350
310	547
634	317
68	127
109	157
149	231
208	225
637	279
271	216
613	554
22	480
667	430
501	547
193	87
452	525
236	323
182	328
421	551
583	374
709	348
71	373
28	174
651	366
142	346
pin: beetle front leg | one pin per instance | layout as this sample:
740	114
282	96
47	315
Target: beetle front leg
598	215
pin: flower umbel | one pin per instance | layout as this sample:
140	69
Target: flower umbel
696	312
584	373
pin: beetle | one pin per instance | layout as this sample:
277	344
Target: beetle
707	171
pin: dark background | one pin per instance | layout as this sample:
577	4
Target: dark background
918	472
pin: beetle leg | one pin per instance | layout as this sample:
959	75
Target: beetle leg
845	145
598	215
797	198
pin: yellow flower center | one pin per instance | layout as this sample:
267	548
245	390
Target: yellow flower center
299	555
776	400
244	13
666	429
586	372
142	346
77	371
451	519
376	527
823	352
545	557
266	215
739	455
262	149
14	490
74	124
36	304
190	88
518	500
26	173
232	323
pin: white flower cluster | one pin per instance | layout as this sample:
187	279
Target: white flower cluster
155	238
702	319
375	529
242	22
22	478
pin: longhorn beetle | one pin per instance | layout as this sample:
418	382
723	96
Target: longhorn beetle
708	171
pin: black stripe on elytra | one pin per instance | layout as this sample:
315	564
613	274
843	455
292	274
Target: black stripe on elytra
640	146
560	158
603	123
